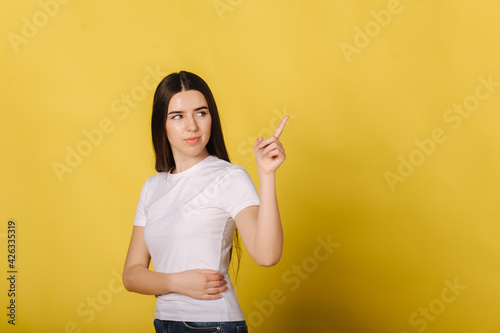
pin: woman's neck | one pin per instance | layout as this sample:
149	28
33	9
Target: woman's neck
184	164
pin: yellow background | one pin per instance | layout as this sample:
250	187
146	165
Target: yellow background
353	118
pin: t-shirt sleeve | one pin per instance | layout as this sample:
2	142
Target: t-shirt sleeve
141	213
237	191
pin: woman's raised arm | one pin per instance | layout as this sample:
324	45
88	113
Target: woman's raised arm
260	226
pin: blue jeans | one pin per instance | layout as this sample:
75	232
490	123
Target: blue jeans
169	326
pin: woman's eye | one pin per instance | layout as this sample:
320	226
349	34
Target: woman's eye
175	117
202	113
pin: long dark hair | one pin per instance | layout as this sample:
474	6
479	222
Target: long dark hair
168	87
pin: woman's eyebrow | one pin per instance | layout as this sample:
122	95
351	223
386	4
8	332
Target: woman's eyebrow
197	109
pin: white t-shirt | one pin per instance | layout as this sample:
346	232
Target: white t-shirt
188	220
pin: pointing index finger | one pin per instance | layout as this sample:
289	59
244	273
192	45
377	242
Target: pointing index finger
281	126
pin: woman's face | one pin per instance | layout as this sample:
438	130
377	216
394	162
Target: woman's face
188	124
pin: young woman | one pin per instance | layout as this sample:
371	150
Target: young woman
188	212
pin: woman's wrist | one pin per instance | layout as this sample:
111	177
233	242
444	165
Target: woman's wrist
171	282
266	174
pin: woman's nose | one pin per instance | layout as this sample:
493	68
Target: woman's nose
191	123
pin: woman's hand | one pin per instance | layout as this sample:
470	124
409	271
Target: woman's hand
269	153
204	284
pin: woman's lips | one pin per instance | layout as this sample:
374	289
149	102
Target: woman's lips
192	140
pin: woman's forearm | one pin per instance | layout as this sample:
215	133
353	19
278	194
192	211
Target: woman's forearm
206	284
140	279
268	241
